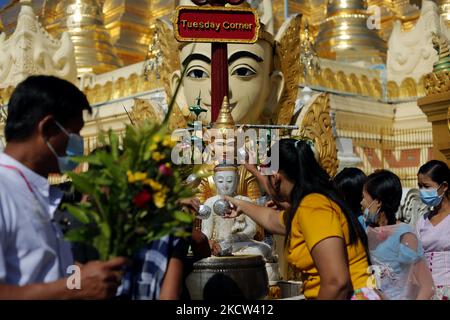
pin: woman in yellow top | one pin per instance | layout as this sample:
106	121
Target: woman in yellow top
325	241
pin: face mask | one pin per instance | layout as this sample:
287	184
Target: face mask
430	196
408	255
368	217
75	147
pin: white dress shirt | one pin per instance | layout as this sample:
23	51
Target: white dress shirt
32	248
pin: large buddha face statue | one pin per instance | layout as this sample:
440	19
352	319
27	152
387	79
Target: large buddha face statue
255	87
225	179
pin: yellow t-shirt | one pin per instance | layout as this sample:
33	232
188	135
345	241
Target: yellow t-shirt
316	219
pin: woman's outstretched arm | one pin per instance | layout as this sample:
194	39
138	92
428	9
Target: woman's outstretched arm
268	218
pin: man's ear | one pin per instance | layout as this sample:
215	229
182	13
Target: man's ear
46	127
180	99
276	91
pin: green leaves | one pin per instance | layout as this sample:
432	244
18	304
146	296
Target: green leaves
115	222
81	183
78	212
183	217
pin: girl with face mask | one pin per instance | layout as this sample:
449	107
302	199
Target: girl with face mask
395	251
433	228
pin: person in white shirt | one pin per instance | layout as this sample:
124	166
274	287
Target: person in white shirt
45	117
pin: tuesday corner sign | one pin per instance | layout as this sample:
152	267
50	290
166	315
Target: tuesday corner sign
216	24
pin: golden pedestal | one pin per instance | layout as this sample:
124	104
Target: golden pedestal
436	108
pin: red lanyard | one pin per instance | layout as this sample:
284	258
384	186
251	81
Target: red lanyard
21	174
61	270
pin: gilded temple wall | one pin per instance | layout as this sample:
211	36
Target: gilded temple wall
359	95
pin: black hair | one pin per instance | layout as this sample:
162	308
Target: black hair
350	182
438	171
39	96
385	186
297	162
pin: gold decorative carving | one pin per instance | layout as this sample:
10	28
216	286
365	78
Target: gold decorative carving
122	87
145	109
169	50
437	82
288	51
448	118
315	124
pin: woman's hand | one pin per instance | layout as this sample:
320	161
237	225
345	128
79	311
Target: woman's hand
263	180
252	168
235	207
190	203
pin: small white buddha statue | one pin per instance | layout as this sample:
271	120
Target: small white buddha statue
239	231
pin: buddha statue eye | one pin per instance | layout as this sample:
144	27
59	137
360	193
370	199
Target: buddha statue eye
243	72
198	74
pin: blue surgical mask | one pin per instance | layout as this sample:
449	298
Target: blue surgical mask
75	147
430	196
370	218
408	255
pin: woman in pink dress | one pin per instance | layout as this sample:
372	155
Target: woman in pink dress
433	228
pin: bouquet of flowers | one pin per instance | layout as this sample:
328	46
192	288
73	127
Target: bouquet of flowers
133	193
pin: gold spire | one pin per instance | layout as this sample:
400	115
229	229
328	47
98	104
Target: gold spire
83	20
344	35
442	48
225	119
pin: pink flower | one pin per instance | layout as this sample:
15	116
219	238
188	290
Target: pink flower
165	170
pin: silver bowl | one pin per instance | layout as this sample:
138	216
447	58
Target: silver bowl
221	207
204	212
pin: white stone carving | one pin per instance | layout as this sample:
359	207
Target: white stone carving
346	154
31	50
411	53
411	207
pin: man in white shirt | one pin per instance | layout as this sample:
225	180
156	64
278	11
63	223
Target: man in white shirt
45	116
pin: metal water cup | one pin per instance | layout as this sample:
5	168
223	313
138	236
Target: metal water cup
204	212
221	207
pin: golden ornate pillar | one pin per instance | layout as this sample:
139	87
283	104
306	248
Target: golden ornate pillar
436	104
436	108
